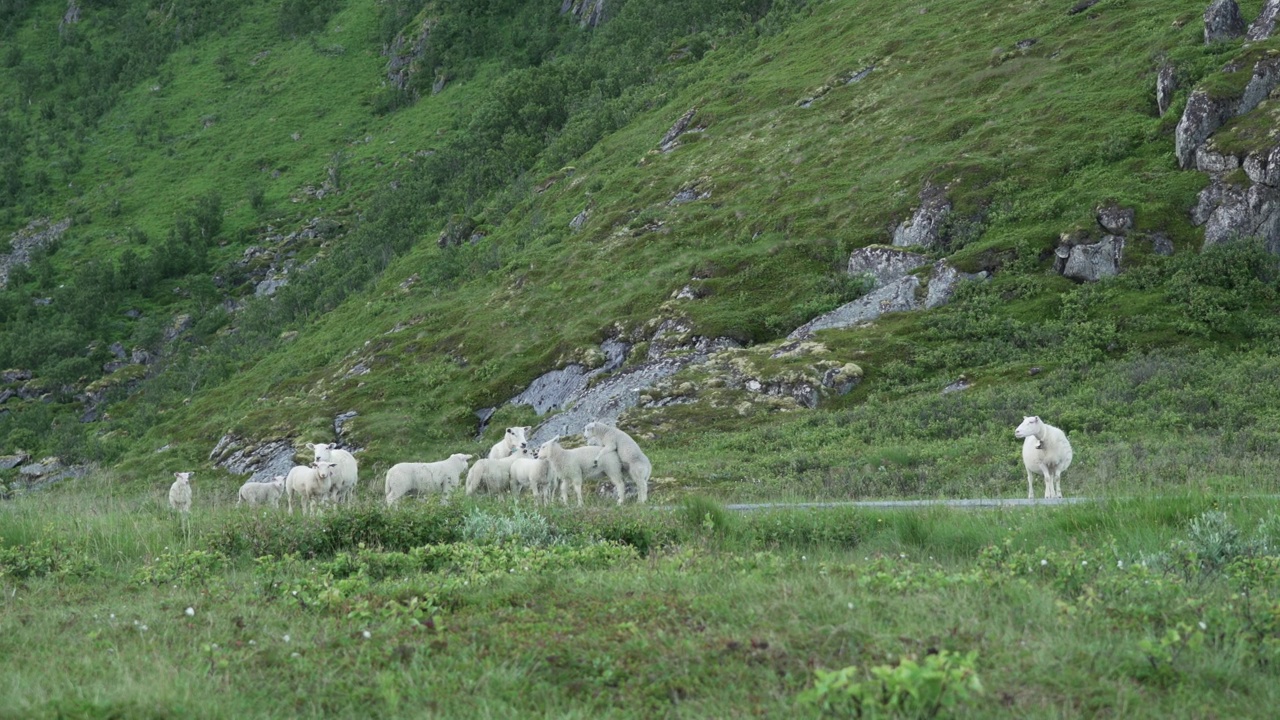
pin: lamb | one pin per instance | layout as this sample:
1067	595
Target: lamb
344	472
494	474
433	477
261	493
532	473
311	483
512	440
180	492
1045	451
634	461
570	467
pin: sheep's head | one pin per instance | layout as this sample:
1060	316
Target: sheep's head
517	437
323	468
545	450
183	477
1030	426
321	450
461	456
278	480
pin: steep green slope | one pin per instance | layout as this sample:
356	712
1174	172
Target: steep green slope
1030	116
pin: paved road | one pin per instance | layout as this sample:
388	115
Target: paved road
963	503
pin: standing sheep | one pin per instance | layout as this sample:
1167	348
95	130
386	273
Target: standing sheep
311	483
344	471
1044	451
570	467
180	492
261	493
633	460
439	477
494	474
531	473
515	438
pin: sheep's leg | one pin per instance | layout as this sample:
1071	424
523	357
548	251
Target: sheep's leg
1057	484
290	499
1031	488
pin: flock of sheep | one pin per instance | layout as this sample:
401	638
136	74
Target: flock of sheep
512	466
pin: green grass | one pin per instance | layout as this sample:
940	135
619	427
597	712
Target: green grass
1056	602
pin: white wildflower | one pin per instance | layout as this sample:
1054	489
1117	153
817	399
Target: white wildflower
367	634
1044	562
191	612
286	638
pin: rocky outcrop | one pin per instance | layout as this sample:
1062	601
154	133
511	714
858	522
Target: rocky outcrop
264	460
23	243
590	13
671	140
883	264
1166	85
269	265
1222	21
1265	23
1230	211
894	290
1206	112
551	390
774	377
925	226
404	53
1092	262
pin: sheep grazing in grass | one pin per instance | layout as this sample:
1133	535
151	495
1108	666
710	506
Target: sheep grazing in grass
344	471
531	473
311	483
634	461
512	440
569	467
422	478
180	492
1045	451
261	493
494	474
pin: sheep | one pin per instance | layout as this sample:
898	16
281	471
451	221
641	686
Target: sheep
532	473
569	467
1046	451
344	472
494	474
512	440
261	493
311	483
634	461
439	477
180	492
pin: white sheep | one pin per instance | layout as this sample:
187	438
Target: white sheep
180	492
634	461
422	478
569	467
344	471
261	493
1044	451
512	440
311	483
531	473
494	474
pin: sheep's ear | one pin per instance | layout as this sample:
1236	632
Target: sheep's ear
178	475
311	446
527	428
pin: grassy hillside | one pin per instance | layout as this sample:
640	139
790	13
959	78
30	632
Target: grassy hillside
1031	118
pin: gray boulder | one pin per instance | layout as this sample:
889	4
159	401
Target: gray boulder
1265	23
590	13
1223	21
1115	220
897	296
1089	263
925	226
671	139
1200	118
1263	167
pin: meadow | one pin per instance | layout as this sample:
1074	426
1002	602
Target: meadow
1154	607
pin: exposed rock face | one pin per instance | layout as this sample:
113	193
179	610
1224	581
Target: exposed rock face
896	291
551	390
270	265
456	231
670	141
1265	23
1205	113
23	243
1241	212
1222	21
1201	117
884	264
925	226
579	220
1089	263
404	52
265	460
1115	220
1166	85
590	13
